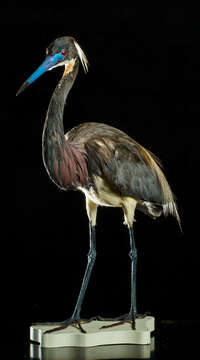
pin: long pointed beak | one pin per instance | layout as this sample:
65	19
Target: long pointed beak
48	64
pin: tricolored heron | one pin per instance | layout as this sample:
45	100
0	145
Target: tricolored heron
107	165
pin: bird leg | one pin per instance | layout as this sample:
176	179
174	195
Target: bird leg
133	257
131	316
75	318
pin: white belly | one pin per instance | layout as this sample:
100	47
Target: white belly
104	195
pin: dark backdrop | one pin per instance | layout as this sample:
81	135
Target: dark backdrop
144	79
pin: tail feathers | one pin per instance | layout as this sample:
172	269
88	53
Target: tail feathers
171	208
168	205
155	210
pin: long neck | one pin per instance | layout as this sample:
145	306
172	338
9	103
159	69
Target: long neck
53	133
54	118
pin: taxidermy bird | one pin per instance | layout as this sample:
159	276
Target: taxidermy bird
104	163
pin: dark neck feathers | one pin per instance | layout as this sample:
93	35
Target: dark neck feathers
54	117
64	162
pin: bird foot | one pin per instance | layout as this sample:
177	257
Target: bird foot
64	324
120	320
77	322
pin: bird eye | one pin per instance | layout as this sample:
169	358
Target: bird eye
63	52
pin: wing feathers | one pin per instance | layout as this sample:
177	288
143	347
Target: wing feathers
169	205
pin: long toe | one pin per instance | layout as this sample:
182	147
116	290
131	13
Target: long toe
74	322
119	320
122	319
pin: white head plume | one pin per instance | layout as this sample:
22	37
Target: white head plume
82	56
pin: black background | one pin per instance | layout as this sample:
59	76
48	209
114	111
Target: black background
144	79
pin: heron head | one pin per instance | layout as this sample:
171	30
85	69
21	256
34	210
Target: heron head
63	51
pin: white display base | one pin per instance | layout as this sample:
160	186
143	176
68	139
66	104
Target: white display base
71	336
